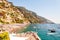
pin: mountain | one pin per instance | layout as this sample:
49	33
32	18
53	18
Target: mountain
33	17
10	14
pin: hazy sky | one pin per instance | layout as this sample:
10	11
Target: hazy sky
49	9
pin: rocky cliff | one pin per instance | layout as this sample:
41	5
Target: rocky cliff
10	14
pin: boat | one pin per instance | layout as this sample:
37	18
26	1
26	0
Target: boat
51	31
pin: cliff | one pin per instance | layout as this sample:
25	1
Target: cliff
10	14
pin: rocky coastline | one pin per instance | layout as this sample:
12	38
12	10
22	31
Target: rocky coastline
12	29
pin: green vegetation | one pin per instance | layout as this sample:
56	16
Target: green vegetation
4	36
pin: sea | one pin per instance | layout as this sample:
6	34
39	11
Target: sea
44	31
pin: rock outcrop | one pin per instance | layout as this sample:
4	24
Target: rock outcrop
10	14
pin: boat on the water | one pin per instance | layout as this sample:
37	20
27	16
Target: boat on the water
51	31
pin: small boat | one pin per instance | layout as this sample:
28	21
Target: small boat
52	30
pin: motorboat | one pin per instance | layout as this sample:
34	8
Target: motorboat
52	32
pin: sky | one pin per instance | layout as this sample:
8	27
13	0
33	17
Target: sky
50	9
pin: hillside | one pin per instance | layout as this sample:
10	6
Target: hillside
10	14
32	16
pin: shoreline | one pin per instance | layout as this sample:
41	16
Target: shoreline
14	28
30	34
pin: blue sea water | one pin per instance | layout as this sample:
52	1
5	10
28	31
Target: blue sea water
43	31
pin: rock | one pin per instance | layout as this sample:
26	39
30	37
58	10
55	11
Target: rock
10	14
29	35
